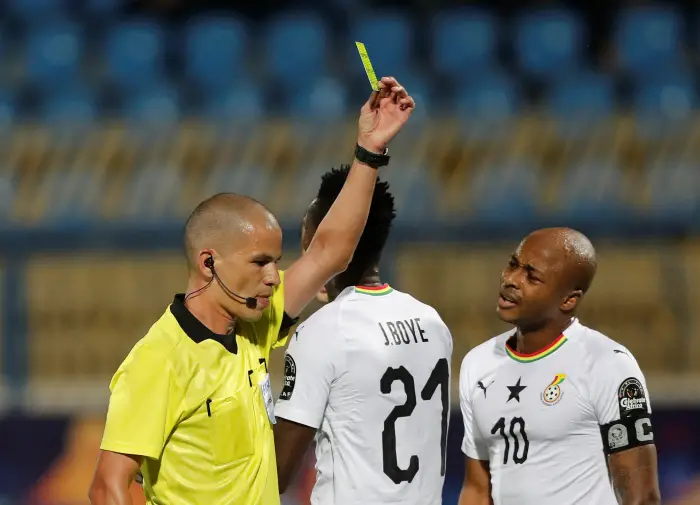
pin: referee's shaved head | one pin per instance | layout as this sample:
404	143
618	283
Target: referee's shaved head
224	221
576	252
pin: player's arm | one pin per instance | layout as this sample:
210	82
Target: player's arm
476	489
338	234
114	475
621	403
310	367
634	475
292	440
143	408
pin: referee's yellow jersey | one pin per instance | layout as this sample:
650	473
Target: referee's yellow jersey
190	401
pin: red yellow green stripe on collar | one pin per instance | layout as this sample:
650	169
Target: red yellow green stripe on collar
535	356
382	290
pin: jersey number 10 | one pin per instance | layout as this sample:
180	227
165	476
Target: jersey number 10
440	376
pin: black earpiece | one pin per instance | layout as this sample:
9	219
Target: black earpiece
209	262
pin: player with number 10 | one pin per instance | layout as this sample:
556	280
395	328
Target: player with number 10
545	405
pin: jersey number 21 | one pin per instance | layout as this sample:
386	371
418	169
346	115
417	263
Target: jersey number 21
440	376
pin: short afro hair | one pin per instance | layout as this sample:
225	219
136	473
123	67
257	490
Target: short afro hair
376	232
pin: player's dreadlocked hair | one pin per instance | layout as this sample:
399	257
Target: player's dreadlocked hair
376	232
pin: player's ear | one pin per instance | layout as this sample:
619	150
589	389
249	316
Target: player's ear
205	262
571	300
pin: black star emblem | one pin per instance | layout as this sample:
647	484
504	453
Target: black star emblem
515	391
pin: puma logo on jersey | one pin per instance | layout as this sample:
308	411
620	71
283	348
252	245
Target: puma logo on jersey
482	387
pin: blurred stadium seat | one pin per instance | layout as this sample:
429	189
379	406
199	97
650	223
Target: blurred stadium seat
487	102
549	42
505	191
295	52
69	107
135	54
465	43
665	103
102	9
674	188
215	52
388	36
323	100
591	190
241	102
7	109
54	55
153	106
582	97
37	12
648	40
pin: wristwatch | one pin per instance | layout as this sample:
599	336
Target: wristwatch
374	160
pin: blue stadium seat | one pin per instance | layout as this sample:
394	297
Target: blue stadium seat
464	42
69	107
54	55
243	102
582	97
7	109
250	180
135	52
155	106
674	189
591	191
324	100
549	42
215	52
296	49
416	193
102	9
388	36
648	39
505	191
668	98
8	193
491	99
36	12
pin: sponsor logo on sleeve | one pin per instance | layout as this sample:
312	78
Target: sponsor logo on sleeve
617	437
290	377
631	398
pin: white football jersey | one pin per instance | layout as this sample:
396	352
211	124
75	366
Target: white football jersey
371	372
546	421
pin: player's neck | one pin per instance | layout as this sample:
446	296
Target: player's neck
209	313
370	278
529	341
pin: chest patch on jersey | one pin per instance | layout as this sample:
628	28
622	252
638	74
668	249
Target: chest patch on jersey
552	394
290	377
631	398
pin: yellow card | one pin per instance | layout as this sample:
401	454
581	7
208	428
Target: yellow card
368	65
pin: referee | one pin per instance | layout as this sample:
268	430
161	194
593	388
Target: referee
191	405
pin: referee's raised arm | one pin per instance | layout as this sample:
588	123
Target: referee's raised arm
337	236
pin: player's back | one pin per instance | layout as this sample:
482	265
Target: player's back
386	359
385	427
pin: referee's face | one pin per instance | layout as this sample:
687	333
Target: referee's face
249	269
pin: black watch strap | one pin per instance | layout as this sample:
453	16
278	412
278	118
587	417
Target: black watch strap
374	160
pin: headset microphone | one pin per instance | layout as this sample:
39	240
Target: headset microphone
250	301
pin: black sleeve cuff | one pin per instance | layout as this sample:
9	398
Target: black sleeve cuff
287	323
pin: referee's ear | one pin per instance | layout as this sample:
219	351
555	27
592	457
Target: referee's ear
571	301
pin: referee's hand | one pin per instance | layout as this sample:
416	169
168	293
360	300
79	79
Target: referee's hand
384	114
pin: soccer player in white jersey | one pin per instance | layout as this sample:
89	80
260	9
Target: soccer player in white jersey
369	376
545	405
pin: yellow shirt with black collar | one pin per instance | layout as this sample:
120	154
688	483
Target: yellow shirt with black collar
190	402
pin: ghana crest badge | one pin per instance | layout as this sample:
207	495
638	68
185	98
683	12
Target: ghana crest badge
553	393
